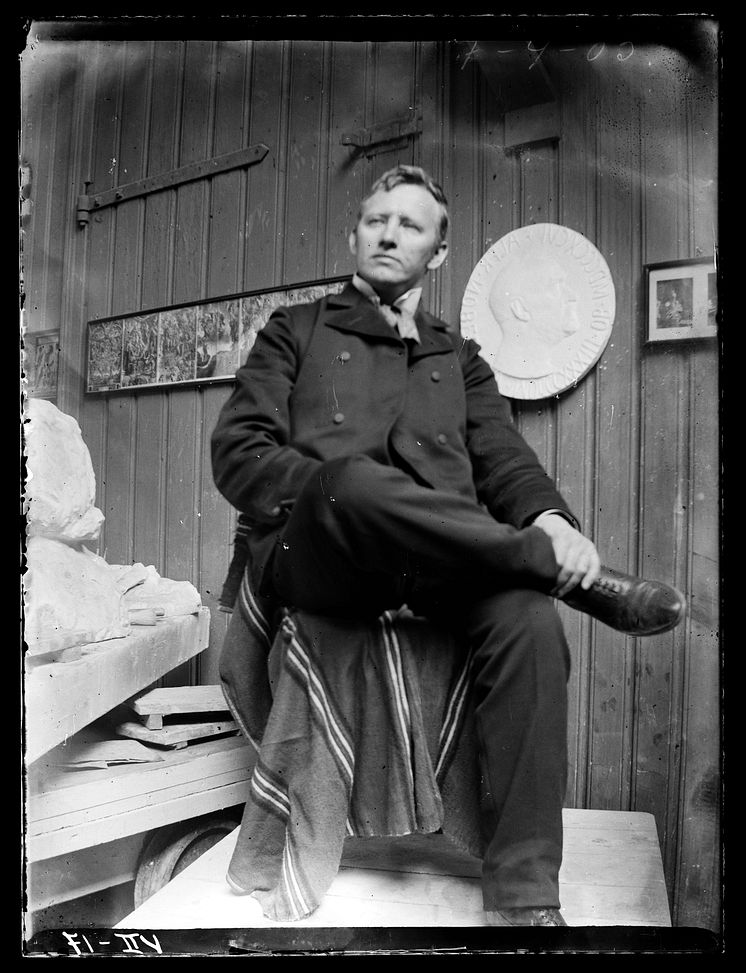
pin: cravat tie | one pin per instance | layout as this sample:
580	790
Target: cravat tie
402	320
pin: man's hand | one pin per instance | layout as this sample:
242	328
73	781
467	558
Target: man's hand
576	556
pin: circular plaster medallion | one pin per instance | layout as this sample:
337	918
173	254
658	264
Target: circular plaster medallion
541	304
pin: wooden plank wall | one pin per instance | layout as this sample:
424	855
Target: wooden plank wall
634	446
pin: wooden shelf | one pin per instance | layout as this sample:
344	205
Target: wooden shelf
63	697
73	809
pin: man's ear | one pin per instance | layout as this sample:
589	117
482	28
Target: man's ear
353	242
519	309
439	256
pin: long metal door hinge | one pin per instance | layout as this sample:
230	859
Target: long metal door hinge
167	180
396	130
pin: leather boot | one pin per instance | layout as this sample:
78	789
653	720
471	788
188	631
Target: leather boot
629	604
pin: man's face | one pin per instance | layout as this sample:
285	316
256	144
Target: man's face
395	240
535	299
552	303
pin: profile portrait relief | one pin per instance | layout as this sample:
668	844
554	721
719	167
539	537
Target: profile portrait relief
535	308
540	303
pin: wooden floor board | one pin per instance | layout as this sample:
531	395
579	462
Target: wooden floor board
611	875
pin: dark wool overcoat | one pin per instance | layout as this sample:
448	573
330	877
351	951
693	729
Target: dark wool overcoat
332	379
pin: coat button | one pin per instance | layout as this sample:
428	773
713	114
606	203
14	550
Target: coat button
344	356
276	511
442	438
435	376
339	417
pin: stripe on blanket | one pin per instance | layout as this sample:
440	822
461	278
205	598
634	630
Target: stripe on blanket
398	687
253	612
451	728
269	790
325	713
297	892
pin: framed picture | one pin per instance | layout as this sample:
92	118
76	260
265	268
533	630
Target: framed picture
42	363
682	300
187	343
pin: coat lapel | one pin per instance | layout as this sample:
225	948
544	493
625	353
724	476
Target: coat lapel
434	338
351	311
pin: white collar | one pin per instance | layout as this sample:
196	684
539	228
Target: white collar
409	301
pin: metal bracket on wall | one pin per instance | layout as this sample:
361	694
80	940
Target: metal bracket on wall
396	130
167	180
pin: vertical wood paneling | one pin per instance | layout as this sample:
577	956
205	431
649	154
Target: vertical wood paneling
497	174
180	517
120	455
264	196
54	92
698	868
344	186
433	146
538	180
576	415
47	91
129	165
61	133
665	460
100	231
163	146
72	324
459	184
189	274
195	146
307	143
120	412
216	526
394	94
148	481
616	391
180	485
36	75
215	520
225	216
156	283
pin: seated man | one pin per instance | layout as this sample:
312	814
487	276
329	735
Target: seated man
377	464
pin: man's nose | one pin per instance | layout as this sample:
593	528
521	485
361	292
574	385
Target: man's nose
390	234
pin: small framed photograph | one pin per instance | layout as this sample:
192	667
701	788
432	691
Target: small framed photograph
42	363
682	300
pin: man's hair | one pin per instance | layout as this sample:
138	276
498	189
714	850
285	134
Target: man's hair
414	176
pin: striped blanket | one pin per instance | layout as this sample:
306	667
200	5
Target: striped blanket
363	729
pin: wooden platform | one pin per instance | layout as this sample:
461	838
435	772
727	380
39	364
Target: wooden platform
612	875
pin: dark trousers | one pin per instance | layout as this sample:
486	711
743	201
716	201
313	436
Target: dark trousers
363	537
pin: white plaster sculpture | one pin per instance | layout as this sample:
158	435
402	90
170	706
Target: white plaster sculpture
541	304
72	596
